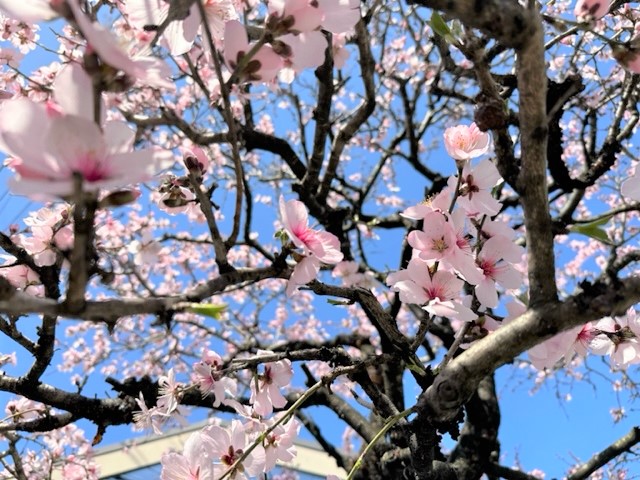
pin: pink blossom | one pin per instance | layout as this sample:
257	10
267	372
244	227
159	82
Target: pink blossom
349	272
340	53
209	378
226	446
305	50
464	142
318	246
631	186
265	393
194	463
31	10
169	392
548	353
438	203
293	16
22	277
263	66
179	35
495	270
10	57
618	339
591	9
436	292
148	418
8	358
278	445
475	195
438	240
23	409
148	71
45	163
306	270
340	16
217	14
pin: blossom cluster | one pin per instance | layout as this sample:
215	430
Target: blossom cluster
241	448
460	241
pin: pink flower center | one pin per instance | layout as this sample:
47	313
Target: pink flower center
436	292
91	168
488	268
304	234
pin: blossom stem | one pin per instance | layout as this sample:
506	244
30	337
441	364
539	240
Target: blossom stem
388	424
457	189
233	136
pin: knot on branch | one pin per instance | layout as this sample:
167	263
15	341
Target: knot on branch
448	394
490	113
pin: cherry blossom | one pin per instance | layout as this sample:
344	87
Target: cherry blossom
306	270
148	418
226	446
295	16
495	270
438	240
350	275
207	375
562	346
32	10
359	147
339	16
263	66
169	392
68	145
475	195
618	339
21	277
265	392
318	246
179	35
194	463
146	70
278	444
464	142
305	50
591	9
436	292
631	186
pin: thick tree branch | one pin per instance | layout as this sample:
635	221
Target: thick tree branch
532	181
505	20
455	384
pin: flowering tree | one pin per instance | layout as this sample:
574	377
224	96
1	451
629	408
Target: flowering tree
253	208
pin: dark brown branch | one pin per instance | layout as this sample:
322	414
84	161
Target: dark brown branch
364	111
269	143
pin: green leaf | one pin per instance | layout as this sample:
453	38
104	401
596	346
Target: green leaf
342	303
593	230
439	26
208	309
